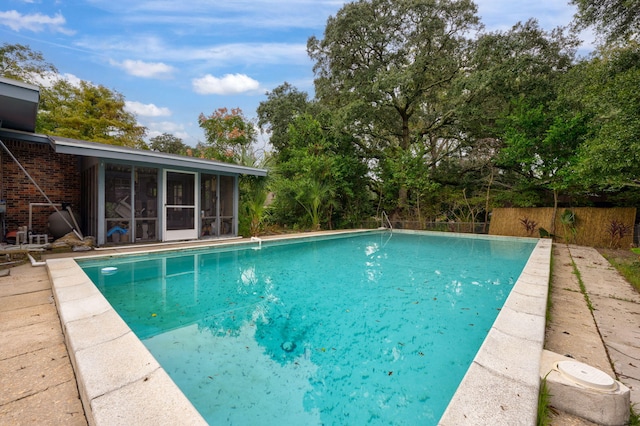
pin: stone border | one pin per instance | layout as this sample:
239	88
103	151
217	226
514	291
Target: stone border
121	382
501	387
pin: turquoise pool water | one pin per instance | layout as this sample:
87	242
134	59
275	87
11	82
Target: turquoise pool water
366	329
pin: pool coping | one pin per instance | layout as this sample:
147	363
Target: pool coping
120	381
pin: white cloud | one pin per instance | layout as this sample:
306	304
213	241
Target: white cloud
229	84
154	48
49	79
186	137
157	128
166	127
253	53
145	69
208	16
146	110
35	22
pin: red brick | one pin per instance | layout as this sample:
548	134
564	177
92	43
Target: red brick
58	175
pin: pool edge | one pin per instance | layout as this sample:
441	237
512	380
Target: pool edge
131	386
501	386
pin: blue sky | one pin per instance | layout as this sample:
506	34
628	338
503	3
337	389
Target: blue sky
173	60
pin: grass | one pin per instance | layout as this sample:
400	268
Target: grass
634	419
550	293
627	262
583	289
544	411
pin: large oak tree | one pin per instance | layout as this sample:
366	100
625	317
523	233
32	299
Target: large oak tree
617	21
386	68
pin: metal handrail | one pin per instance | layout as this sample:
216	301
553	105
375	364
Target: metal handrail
385	216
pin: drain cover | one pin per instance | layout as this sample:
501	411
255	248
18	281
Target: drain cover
586	375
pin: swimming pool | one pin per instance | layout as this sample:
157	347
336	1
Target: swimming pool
310	347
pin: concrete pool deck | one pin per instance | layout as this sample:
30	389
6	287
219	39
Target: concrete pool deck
109	387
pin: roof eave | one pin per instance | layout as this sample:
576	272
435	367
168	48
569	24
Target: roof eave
113	152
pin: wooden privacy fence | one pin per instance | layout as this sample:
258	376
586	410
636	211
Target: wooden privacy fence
591	226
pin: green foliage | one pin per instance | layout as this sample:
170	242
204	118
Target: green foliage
404	173
417	112
568	220
253	198
628	266
80	111
616	20
524	61
317	179
167	143
545	234
634	417
386	68
544	399
540	144
88	112
276	113
229	135
610	157
19	62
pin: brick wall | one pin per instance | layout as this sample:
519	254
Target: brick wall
58	175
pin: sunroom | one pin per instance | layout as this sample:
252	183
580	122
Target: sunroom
134	196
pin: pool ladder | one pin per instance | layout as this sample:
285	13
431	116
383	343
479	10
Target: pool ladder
388	222
259	241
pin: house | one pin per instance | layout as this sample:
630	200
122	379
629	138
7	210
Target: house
119	195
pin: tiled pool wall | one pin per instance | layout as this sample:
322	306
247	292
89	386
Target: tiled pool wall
120	382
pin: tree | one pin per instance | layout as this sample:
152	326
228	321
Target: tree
541	142
524	61
317	176
88	112
168	143
616	20
610	157
229	135
386	68
514	83
275	114
303	176
19	62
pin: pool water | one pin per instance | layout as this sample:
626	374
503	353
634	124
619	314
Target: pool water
375	328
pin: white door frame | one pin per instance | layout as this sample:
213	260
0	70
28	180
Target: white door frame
183	233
